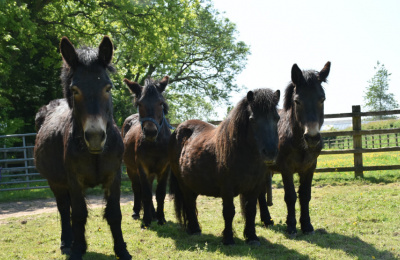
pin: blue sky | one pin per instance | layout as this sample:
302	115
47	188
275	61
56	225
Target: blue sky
352	34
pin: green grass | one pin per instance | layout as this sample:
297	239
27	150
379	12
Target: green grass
351	222
354	218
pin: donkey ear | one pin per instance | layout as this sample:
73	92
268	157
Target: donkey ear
297	75
323	74
163	84
68	52
250	96
277	96
106	50
134	87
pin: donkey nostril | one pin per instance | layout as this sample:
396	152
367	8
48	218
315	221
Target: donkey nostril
103	136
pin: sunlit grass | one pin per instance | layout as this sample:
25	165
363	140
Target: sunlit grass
351	222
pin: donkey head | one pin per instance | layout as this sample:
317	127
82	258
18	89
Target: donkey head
87	88
308	102
263	118
151	105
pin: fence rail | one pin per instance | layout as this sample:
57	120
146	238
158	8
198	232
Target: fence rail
16	163
17	170
357	135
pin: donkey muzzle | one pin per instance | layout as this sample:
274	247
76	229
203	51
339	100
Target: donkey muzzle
95	134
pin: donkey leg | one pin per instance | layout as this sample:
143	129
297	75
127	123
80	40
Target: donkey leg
305	197
147	198
160	196
290	199
193	226
228	211
137	194
152	208
264	212
64	207
113	216
249	233
79	215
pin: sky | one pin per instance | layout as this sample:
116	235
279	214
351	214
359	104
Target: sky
352	34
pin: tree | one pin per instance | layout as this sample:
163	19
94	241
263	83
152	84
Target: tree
376	96
185	39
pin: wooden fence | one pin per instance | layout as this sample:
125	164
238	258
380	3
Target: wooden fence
357	150
18	172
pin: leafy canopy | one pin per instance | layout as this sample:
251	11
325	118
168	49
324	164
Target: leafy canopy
185	39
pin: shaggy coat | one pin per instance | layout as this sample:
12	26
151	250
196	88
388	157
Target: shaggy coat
146	137
225	161
300	143
79	146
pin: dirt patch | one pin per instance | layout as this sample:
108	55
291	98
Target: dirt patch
34	207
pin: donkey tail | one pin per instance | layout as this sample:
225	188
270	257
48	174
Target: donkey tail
179	204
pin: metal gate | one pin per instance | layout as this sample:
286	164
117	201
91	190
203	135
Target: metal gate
17	170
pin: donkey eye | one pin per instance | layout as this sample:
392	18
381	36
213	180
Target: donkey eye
108	89
322	100
75	91
297	102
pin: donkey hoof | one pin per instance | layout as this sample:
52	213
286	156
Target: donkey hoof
75	256
269	223
292	235
66	251
194	233
228	241
307	229
135	216
144	226
309	232
253	243
161	222
124	255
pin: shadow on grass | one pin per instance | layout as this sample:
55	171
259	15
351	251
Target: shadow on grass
95	256
351	245
211	243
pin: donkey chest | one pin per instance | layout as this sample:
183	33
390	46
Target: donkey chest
298	161
153	155
92	170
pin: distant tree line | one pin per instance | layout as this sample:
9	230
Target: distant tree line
185	39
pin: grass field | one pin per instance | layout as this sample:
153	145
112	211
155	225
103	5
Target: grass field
352	222
354	219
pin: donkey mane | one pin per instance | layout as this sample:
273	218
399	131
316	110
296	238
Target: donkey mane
309	76
232	132
150	88
88	57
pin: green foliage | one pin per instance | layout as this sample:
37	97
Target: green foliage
185	39
376	96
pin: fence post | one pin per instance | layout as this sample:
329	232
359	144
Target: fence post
25	162
357	142
397	140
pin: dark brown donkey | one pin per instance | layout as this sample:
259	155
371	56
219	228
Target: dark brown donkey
300	143
146	137
225	161
78	145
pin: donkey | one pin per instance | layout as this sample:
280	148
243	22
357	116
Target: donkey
146	137
79	146
225	161
300	143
